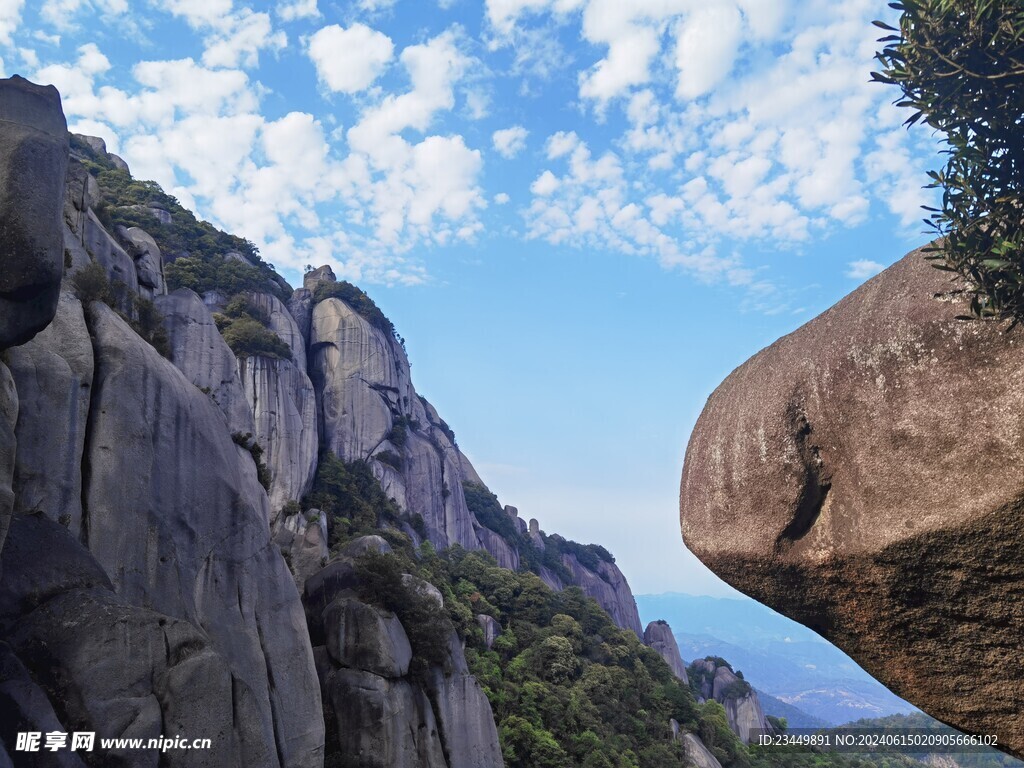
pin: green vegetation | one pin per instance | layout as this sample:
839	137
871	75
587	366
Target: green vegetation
248	442
390	458
568	688
199	245
92	284
356	298
355	505
960	66
244	327
491	514
989	758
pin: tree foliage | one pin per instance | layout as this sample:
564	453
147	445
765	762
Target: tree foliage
960	65
194	249
358	300
245	328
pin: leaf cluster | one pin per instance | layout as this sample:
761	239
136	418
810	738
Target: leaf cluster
359	301
194	249
960	66
244	327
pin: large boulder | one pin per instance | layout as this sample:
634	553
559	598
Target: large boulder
33	162
149	264
365	637
863	476
382	723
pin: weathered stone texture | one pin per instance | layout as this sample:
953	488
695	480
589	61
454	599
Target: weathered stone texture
863	476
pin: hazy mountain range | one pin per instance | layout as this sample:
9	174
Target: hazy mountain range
780	658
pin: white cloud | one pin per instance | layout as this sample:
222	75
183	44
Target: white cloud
706	46
503	14
433	68
247	35
427	190
502	198
10	19
233	37
91	60
509	142
298	9
349	60
545	184
201	13
62	13
862	269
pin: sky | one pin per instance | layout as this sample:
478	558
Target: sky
580	214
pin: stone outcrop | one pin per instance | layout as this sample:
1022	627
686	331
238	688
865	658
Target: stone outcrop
377	714
490	627
368	405
383	723
149	264
53	374
33	162
303	538
463	713
697	753
200	352
609	587
8	449
862	476
742	706
283	403
658	636
116	669
177	519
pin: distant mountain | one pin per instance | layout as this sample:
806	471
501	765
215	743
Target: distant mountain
795	718
783	659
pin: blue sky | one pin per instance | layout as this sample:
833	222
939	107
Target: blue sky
581	214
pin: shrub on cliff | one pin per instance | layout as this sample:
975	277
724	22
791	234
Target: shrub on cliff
244	327
960	65
202	267
360	302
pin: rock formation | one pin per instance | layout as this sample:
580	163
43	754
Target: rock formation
608	586
862	476
200	352
742	707
697	753
658	636
377	713
33	163
151	583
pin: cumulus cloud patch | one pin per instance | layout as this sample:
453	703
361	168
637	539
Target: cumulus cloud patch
349	60
509	142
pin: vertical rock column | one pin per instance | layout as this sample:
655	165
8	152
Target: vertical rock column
33	162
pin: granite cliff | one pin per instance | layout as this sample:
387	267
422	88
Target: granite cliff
159	441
